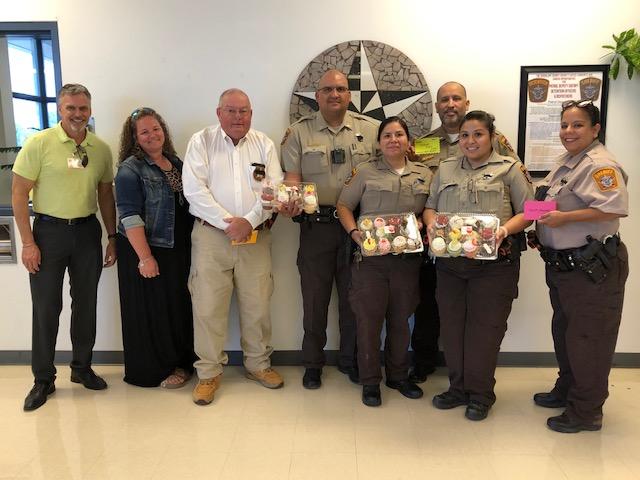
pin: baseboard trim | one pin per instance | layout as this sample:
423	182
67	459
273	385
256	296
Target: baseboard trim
294	357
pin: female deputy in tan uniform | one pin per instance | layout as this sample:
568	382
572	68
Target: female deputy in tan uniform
475	296
385	286
586	267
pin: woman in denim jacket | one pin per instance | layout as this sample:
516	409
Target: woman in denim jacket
154	251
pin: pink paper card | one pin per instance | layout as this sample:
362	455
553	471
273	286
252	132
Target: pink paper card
534	209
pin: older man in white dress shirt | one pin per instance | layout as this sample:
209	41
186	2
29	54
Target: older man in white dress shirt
231	244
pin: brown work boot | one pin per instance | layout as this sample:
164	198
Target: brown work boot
268	377
205	389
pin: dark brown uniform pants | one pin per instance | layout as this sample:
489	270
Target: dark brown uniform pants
385	286
474	300
426	328
325	255
586	318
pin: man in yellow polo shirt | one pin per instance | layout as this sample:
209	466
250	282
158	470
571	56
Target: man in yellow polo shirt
70	171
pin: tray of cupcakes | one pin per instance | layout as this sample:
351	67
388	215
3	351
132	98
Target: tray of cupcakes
465	234
393	233
303	194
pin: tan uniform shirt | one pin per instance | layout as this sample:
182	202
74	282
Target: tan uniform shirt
499	187
307	145
452	149
381	190
591	179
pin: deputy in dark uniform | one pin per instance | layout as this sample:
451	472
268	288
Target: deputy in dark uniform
387	285
324	148
586	267
451	106
475	296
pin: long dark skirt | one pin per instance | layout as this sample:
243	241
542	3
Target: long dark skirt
157	323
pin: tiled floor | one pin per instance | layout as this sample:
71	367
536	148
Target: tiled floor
250	432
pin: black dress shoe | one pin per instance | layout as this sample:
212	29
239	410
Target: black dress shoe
89	379
38	395
419	374
476	411
406	388
371	395
564	424
447	400
311	378
351	372
549	400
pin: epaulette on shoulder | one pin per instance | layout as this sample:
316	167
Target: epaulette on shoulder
359	116
304	118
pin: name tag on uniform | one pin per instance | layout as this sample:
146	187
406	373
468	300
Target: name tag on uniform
74	162
534	209
253	238
427	146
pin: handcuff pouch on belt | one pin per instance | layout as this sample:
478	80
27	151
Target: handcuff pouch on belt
593	258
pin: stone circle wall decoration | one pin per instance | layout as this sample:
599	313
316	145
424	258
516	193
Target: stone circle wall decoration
383	82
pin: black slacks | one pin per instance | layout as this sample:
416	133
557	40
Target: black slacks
384	287
325	255
586	319
474	299
78	249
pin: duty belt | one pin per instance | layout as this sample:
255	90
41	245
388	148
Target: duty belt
327	214
592	258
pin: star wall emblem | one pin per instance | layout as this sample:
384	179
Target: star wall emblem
383	82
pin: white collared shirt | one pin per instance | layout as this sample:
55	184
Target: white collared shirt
217	176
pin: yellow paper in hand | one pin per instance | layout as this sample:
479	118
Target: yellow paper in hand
427	146
253	238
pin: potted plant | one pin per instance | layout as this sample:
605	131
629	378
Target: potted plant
628	47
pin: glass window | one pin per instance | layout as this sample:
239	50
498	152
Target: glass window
24	65
49	75
27	117
52	113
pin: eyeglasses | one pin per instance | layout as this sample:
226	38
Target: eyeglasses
142	111
328	90
236	111
259	171
576	103
82	154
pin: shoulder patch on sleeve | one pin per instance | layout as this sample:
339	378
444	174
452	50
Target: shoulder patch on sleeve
606	179
286	135
351	176
525	172
504	143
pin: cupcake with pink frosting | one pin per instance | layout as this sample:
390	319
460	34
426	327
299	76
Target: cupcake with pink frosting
384	246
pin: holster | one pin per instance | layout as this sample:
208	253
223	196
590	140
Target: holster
594	258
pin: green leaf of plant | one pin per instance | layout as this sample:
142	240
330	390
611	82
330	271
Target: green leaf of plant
617	39
634	59
610	47
630	70
626	35
615	67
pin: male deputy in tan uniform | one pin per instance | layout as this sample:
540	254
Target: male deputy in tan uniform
451	106
324	148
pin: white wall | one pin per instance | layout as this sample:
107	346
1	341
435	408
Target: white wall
178	56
